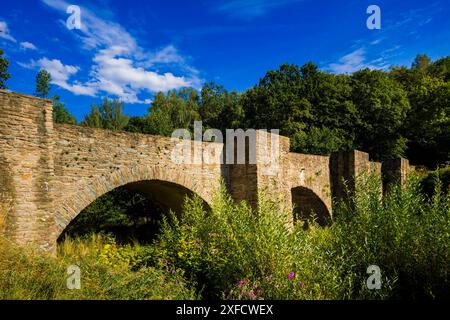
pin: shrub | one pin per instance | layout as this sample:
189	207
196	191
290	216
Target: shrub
234	252
431	179
404	233
107	272
233	242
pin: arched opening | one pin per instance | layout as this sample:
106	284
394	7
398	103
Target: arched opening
131	212
307	205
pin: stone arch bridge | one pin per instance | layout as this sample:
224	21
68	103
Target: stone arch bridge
50	172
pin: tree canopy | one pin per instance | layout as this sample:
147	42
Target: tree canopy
107	115
43	80
4	75
60	112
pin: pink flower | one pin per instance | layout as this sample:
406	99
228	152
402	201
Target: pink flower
268	278
302	284
240	283
291	275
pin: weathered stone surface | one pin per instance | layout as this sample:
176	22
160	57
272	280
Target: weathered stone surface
50	173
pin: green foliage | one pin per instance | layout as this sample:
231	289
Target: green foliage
126	214
220	247
4	75
427	126
404	234
421	63
382	108
93	119
108	115
323	113
176	110
139	125
60	112
220	109
43	79
108	271
441	69
234	252
439	178
277	102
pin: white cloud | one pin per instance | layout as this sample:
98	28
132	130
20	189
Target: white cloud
5	33
60	75
27	45
167	55
352	62
376	41
118	76
120	66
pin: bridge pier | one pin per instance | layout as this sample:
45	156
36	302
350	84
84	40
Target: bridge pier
26	169
395	171
345	166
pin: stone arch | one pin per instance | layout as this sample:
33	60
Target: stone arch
140	179
306	202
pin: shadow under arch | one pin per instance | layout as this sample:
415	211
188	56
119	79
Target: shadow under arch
164	186
161	197
307	203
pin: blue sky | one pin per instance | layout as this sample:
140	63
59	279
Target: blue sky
133	49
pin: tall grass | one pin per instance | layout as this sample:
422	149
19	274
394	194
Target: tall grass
108	271
232	247
405	233
234	252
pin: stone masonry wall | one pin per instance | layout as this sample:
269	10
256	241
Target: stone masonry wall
90	162
26	167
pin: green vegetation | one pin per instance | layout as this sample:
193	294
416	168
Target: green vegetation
4	75
107	272
60	112
43	80
439	178
127	215
227	253
108	115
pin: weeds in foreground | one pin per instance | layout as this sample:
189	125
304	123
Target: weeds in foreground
234	252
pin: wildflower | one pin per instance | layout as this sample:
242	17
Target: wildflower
268	278
240	284
302	284
291	275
